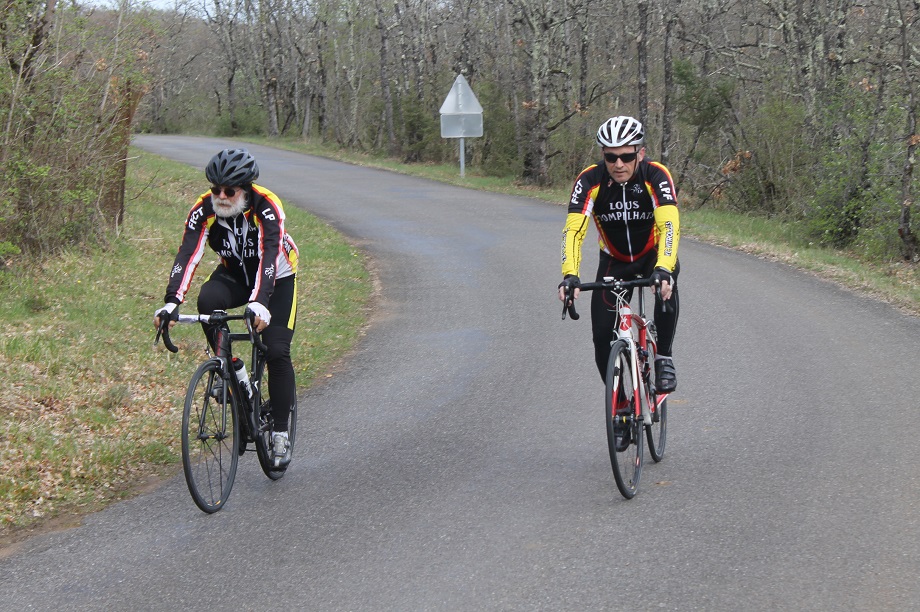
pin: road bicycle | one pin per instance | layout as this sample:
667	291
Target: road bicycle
226	410
632	402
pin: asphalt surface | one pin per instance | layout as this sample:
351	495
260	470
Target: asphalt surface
458	460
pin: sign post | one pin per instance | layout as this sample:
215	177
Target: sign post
461	115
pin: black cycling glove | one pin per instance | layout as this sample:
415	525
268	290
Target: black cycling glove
570	281
663	276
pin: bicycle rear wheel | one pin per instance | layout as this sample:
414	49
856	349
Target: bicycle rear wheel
657	432
624	431
265	422
210	438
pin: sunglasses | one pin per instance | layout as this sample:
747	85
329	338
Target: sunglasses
613	157
228	191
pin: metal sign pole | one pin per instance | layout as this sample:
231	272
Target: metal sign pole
461	115
462	156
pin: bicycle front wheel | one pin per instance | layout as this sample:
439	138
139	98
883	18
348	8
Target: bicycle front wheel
265	424
657	432
624	428
210	438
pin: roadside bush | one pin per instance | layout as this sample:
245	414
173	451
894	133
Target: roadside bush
773	173
248	120
69	124
854	204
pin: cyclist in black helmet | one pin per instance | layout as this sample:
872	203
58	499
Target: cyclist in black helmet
244	224
633	203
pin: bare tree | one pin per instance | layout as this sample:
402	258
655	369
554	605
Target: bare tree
668	112
227	17
910	68
383	28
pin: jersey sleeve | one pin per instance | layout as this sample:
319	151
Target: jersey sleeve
573	235
667	215
667	223
581	204
192	247
269	214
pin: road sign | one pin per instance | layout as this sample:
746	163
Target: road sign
461	113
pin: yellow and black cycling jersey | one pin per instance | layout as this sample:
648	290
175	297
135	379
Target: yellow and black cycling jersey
632	218
254	246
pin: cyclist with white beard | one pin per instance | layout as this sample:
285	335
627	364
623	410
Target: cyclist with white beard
244	224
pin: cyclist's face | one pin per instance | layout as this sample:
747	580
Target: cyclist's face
621	162
229	206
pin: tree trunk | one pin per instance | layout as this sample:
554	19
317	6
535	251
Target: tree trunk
911	246
667	110
385	79
642	57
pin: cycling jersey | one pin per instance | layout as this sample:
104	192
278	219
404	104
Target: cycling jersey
632	218
253	246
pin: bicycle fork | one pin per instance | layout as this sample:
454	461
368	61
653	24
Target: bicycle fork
222	345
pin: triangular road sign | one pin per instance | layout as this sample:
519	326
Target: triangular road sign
461	100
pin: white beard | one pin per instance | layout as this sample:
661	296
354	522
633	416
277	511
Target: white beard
228	208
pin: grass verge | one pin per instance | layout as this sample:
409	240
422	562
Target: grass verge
89	409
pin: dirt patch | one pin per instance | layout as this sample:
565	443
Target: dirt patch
12	538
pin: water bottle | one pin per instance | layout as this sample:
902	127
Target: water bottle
241	375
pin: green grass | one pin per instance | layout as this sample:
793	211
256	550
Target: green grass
896	282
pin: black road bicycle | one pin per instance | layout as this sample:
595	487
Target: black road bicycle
225	412
633	404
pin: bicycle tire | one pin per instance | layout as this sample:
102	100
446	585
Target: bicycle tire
210	438
264	421
657	432
625	458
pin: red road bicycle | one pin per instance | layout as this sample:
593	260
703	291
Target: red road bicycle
632	402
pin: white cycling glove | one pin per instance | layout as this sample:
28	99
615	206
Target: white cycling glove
169	307
260	311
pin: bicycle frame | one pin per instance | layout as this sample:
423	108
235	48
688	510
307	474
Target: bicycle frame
632	350
633	329
224	338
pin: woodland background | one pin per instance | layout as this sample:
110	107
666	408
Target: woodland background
804	110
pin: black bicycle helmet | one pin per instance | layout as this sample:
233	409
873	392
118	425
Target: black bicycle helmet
232	168
619	132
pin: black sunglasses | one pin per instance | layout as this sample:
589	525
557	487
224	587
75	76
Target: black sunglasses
626	157
229	191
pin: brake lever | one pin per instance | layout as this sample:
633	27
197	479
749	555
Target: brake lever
568	306
163	330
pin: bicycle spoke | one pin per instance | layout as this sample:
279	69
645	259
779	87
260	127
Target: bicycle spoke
657	431
624	427
209	439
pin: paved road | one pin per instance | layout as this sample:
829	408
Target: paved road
458	461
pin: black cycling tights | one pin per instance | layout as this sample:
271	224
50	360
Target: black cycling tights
603	307
222	292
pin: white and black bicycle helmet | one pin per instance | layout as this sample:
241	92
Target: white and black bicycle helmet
232	168
620	132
